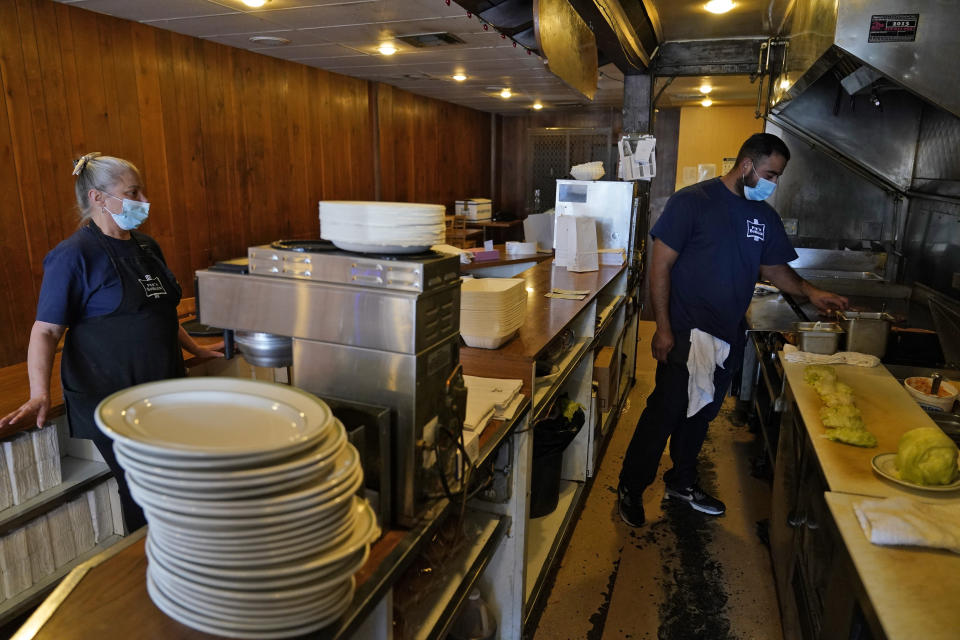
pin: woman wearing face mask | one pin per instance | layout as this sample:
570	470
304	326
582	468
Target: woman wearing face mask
110	286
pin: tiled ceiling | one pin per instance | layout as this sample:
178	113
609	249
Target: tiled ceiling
343	35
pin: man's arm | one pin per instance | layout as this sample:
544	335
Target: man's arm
786	279
660	266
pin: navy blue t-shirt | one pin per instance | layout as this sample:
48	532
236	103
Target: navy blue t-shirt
80	281
722	239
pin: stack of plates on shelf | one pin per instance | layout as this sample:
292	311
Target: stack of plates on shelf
382	227
491	310
249	489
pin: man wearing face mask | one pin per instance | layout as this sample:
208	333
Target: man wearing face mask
711	244
109	288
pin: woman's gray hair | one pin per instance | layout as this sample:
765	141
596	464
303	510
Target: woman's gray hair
97	171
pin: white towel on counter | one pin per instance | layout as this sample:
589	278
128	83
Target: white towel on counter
907	521
792	354
707	352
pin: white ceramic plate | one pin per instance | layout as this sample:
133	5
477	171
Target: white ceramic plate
256	555
173	510
227	494
172	471
203	623
364	532
250	593
326	576
205	417
360	247
885	465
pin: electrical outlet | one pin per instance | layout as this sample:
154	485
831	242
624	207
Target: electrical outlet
790	226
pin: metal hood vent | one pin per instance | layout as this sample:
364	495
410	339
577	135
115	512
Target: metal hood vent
876	86
879	42
421	40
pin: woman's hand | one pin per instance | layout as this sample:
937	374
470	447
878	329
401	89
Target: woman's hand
38	407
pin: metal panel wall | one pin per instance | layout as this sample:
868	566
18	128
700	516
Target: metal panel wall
834	207
932	245
938	160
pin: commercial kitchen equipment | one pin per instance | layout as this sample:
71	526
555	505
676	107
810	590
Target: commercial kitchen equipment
614	207
375	329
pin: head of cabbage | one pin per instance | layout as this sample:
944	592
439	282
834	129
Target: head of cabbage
927	456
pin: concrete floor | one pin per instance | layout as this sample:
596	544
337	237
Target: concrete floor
683	575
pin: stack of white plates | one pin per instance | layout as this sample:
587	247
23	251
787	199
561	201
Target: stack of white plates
382	227
249	489
491	310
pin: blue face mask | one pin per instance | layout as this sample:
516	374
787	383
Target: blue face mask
131	215
762	191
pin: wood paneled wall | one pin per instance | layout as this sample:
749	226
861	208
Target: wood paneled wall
513	164
235	148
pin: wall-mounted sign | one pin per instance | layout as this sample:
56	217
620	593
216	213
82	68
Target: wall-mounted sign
894	27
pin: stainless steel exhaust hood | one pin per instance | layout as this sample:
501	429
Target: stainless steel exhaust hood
877	82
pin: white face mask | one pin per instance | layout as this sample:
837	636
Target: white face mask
132	213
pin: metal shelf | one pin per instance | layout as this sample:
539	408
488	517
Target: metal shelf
545	536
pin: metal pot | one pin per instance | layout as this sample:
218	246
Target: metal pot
867	332
818	337
265	349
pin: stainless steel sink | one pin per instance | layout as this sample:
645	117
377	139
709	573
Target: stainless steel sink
834	273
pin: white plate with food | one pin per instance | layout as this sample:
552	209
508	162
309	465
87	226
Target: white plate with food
885	465
209	417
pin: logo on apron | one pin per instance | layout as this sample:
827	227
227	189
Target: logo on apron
152	286
755	230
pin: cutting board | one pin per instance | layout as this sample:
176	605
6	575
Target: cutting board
888	411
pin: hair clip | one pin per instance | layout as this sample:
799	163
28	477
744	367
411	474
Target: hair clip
81	164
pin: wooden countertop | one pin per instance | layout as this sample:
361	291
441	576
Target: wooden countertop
914	592
546	318
888	411
505	259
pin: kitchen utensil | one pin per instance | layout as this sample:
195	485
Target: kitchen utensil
867	332
796	307
818	337
885	465
265	349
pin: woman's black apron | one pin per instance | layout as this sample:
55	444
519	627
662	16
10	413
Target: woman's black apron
136	343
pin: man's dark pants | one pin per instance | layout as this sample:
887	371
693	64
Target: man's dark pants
665	417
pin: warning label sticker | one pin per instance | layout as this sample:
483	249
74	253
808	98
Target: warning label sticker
896	27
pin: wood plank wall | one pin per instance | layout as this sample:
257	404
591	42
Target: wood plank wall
513	163
235	148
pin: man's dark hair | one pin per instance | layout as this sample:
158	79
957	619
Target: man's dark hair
762	145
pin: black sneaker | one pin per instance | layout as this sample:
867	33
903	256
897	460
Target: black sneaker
631	511
698	499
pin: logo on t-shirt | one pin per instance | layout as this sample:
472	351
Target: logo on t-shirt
152	286
755	230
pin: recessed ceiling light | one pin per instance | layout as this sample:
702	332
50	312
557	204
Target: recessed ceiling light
506	93
254	3
387	49
537	106
706	102
719	6
785	83
705	88
459	77
269	41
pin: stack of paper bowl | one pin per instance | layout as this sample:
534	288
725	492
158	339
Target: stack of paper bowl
491	310
249	489
382	227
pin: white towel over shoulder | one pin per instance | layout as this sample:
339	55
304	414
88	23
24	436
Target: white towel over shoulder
706	354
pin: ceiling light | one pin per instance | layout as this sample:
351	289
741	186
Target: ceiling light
459	77
705	88
537	106
706	102
269	41
506	93
254	3
719	6
785	83
387	49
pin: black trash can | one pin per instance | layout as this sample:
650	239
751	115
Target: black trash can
550	438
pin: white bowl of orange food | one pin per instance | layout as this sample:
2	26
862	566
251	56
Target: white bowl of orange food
920	389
